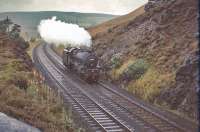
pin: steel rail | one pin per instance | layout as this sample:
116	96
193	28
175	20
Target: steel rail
146	109
103	109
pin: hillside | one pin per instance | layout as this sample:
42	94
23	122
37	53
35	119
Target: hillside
154	54
23	93
30	20
122	20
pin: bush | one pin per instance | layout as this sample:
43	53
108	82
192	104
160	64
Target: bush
148	86
23	44
116	61
135	70
32	40
59	48
20	80
109	30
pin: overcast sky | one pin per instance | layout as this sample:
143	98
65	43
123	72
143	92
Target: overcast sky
118	7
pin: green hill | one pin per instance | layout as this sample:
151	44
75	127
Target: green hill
30	20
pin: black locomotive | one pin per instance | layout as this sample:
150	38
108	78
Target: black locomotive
82	61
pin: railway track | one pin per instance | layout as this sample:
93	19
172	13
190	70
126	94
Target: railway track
115	104
157	121
144	116
98	117
141	126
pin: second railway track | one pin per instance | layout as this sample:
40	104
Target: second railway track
159	122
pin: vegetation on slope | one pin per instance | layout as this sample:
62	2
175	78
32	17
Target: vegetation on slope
164	37
23	94
141	78
113	23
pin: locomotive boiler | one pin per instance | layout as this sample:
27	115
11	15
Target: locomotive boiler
83	61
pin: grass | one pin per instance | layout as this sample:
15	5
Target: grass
116	61
59	49
148	86
117	72
37	104
111	24
142	79
135	70
33	43
129	70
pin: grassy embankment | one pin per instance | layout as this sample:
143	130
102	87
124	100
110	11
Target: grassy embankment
142	78
24	95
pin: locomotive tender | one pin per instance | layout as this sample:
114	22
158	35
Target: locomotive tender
82	61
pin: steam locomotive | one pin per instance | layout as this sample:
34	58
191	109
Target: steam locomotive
83	61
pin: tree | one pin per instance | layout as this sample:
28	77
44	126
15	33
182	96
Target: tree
15	32
8	22
5	24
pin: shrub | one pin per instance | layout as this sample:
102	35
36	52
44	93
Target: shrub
135	70
109	30
20	80
59	48
116	61
32	40
24	44
148	86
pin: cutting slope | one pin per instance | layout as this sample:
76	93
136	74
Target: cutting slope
122	20
147	52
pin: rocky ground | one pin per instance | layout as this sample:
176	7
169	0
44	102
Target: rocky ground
160	46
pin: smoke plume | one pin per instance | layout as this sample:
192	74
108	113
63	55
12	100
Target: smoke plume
58	32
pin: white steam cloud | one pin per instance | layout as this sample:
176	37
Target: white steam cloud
58	32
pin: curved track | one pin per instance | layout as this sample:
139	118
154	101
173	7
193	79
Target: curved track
98	117
103	108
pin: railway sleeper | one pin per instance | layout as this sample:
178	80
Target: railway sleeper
104	121
96	129
84	116
90	106
98	115
93	125
107	123
118	130
101	118
76	107
112	127
94	111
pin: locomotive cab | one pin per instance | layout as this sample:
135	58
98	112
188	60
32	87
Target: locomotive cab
67	52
